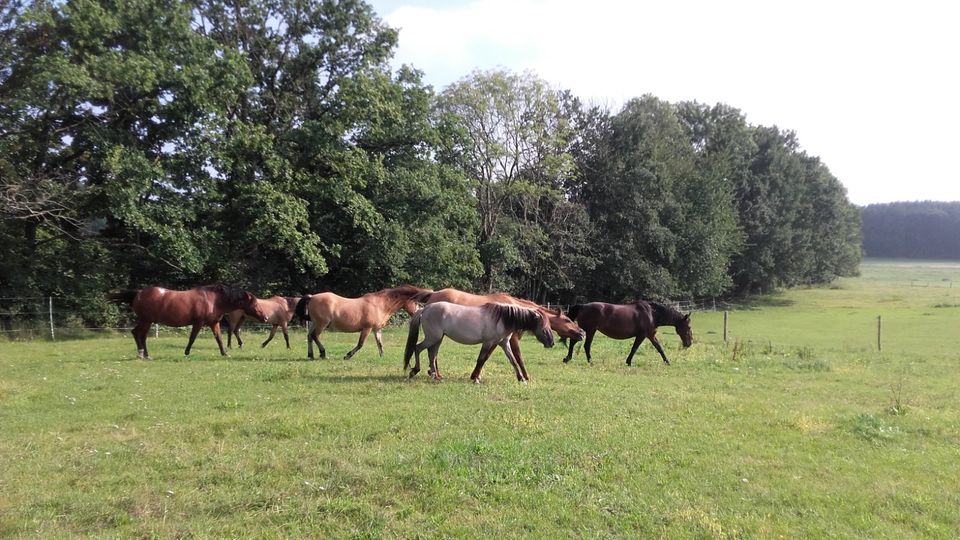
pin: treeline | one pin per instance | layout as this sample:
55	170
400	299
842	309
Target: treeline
912	230
269	144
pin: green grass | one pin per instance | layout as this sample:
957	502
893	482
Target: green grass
783	431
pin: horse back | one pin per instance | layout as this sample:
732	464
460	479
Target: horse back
176	308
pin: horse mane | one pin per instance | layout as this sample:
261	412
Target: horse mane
513	317
573	311
291	302
406	292
664	314
232	295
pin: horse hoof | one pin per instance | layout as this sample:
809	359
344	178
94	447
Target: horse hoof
566	360
476	381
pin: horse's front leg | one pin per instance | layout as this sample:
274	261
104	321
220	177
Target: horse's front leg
193	336
485	351
633	349
379	337
363	337
215	328
656	343
140	333
573	341
505	345
515	347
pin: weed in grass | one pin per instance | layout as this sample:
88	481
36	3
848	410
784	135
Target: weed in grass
897	406
874	429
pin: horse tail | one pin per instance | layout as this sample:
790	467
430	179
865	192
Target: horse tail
412	338
123	296
573	311
301	310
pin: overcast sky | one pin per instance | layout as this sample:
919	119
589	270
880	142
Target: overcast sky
870	87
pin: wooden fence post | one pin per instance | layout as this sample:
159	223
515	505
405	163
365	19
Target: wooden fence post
724	326
879	330
52	337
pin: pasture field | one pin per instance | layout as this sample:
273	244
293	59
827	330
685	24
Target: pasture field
796	428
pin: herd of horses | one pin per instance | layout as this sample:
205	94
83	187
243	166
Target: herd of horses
489	320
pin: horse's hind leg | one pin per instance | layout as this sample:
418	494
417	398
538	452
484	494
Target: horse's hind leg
363	337
273	332
313	337
140	337
193	336
656	344
434	368
515	347
416	351
633	349
286	337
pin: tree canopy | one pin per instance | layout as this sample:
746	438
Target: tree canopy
269	144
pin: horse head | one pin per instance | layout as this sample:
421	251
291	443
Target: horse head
249	304
542	330
563	325
684	330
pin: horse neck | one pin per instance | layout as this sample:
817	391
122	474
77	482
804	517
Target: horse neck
390	301
664	315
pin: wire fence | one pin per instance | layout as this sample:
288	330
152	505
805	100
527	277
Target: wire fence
58	317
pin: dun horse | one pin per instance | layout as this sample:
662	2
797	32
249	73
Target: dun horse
279	311
368	313
490	324
559	322
200	306
638	320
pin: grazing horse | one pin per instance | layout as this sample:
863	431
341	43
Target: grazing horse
370	312
638	320
200	306
279	311
559	322
490	324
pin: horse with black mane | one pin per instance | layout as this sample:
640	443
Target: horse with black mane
638	320
200	306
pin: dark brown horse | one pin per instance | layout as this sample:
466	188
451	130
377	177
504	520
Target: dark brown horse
200	306
369	313
279	311
638	320
560	323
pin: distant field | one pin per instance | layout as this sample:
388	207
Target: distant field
798	427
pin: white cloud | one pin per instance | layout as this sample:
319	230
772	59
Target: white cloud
870	87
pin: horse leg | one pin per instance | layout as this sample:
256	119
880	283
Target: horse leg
434	367
286	337
273	332
417	350
633	349
515	347
215	328
140	337
485	352
363	337
379	337
193	336
229	335
505	345
313	337
573	341
587	343
236	332
656	343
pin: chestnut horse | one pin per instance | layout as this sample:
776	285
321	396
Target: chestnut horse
200	306
559	322
490	324
279	311
370	312
638	320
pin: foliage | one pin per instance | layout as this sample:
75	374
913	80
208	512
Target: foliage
915	230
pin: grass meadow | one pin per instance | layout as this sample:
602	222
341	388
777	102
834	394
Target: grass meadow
797	427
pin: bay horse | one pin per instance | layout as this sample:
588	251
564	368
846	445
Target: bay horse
490	325
279	311
200	306
559	322
638	320
369	313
